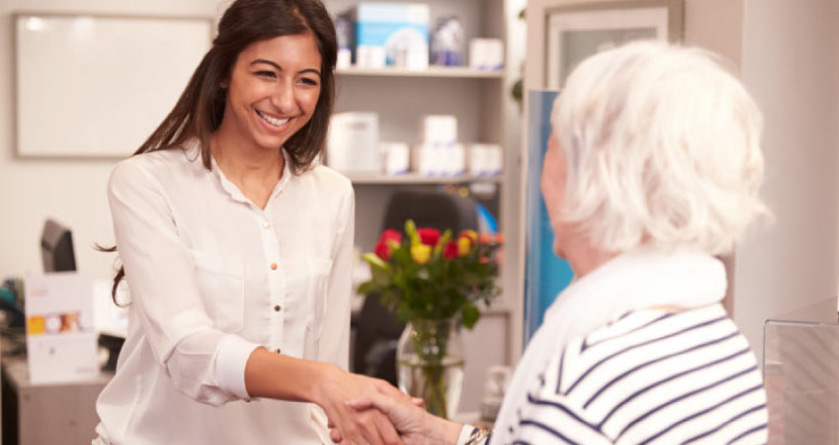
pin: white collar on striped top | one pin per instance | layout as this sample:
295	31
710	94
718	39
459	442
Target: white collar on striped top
639	279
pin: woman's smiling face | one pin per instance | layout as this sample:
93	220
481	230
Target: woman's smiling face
273	90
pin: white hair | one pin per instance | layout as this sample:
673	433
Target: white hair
662	147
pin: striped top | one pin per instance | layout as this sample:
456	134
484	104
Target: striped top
650	377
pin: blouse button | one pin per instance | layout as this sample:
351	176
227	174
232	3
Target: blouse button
266	224
277	308
273	266
277	351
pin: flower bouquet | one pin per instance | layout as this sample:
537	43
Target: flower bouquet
434	283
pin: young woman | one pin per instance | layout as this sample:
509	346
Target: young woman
236	248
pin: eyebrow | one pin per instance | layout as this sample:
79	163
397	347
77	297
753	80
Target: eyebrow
279	68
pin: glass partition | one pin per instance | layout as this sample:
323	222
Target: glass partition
801	372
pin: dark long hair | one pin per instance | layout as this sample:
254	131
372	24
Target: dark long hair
200	109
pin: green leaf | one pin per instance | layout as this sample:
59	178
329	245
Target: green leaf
470	315
374	260
367	287
411	230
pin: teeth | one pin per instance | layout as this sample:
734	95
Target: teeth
272	120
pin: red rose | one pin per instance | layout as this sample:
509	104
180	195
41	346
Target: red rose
428	236
392	235
382	250
451	250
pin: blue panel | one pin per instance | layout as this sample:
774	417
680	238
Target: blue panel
545	274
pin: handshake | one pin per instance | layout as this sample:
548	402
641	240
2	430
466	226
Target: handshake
368	411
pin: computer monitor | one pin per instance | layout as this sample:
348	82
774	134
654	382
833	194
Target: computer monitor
57	248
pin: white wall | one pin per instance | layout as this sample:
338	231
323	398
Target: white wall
786	53
790	63
715	25
72	191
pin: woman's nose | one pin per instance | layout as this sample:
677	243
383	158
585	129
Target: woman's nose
284	97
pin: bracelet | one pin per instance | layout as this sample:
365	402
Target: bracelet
478	436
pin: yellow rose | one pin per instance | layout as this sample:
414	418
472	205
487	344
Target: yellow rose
464	244
473	235
421	253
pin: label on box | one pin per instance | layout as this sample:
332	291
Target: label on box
60	340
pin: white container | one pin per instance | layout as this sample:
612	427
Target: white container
484	159
486	54
344	60
438	129
370	56
396	157
422	159
453	160
353	143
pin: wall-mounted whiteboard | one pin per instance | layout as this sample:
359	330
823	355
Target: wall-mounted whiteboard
96	86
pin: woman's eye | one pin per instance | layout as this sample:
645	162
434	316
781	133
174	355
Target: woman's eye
308	81
266	74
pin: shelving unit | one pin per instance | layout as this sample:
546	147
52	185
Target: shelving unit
432	71
486	113
415	179
479	99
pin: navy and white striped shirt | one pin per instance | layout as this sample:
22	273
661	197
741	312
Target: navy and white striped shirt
651	377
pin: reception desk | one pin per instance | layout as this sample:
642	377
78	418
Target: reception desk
47	414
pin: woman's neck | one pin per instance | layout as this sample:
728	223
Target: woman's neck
253	169
583	257
244	162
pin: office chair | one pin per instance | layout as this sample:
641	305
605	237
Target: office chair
377	330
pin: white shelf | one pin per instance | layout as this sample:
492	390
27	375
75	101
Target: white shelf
413	178
432	71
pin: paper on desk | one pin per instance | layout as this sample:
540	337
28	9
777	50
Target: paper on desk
60	340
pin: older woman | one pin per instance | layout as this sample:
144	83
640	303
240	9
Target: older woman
652	170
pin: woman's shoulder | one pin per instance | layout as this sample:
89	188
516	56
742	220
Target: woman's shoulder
641	347
159	166
328	174
328	180
164	159
651	362
634	336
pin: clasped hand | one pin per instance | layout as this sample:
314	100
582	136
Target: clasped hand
413	425
347	398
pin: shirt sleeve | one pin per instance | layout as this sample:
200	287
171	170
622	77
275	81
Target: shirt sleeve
334	344
203	363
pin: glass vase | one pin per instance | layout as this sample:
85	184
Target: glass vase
430	364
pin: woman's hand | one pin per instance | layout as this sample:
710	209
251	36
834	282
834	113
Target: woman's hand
357	427
416	426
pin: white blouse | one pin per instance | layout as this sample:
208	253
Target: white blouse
212	277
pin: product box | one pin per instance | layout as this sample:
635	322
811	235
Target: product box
438	129
353	143
393	34
60	339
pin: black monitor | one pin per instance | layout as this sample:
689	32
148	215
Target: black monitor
57	248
